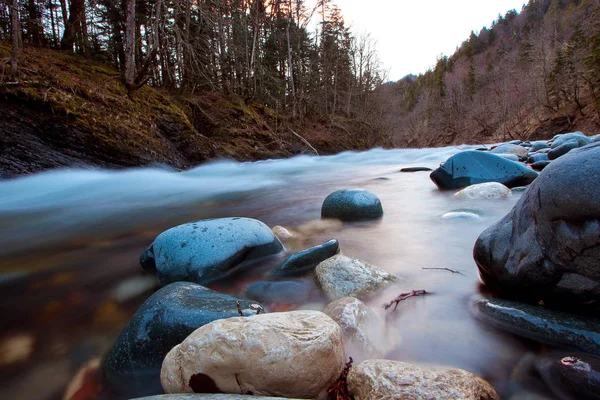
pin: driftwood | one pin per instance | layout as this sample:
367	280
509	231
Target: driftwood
446	269
405	296
339	390
305	141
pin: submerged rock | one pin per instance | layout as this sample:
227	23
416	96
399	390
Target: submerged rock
305	261
387	379
278	292
132	366
548	246
461	214
208	250
541	324
472	167
341	276
352	205
415	169
487	191
287	354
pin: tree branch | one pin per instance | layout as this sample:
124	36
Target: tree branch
404	296
446	269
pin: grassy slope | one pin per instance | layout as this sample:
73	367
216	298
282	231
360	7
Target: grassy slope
72	111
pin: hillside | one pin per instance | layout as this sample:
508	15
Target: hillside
531	75
70	111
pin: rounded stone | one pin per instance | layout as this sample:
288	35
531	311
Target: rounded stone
484	191
352	205
563	149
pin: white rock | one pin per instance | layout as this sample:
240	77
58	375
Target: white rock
366	335
341	276
386	379
488	190
289	354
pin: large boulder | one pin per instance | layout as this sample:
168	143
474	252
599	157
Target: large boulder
484	191
287	354
208	250
352	205
132	366
387	379
471	167
305	261
366	335
548	246
541	324
341	276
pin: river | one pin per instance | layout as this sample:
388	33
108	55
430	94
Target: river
70	242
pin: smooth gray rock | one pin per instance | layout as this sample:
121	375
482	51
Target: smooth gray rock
208	250
563	149
548	246
540	323
352	205
537	146
509	148
540	165
581	139
537	157
132	366
306	261
416	169
278	292
471	167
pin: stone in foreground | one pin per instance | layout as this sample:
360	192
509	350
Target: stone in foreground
352	205
288	354
548	246
387	379
541	324
306	261
208	250
132	366
365	333
472	167
484	191
341	276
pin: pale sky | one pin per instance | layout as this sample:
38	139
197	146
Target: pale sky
410	34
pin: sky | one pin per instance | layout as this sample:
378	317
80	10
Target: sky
410	34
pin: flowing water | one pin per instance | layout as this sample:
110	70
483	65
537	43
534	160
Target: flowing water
70	242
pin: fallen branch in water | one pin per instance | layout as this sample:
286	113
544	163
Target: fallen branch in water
404	296
446	269
339	390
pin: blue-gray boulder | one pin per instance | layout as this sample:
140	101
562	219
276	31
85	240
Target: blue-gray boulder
581	139
548	246
208	250
352	205
132	366
541	324
288	292
472	167
540	165
537	157
537	146
563	149
306	261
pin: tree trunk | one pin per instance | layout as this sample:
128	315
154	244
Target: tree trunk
73	25
290	64
16	40
129	72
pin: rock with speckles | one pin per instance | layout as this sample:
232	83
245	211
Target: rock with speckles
287	354
484	191
208	250
352	205
387	379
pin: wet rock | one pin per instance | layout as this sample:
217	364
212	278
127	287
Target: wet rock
278	292
509	148
386	379
133	364
352	205
488	191
595	138
472	167
365	333
511	157
287	354
581	139
541	324
461	214
536	146
305	261
519	189
200	396
562	149
415	169
540	165
570	376
341	276
548	246
208	250
537	157
382	178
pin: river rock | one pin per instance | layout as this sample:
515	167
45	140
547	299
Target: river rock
536	146
548	246
581	139
472	167
519	189
563	149
387	379
540	165
365	333
133	364
351	205
305	261
541	324
415	169
287	292
287	354
511	157
341	276
283	234
509	148
462	214
208	250
535	157
488	191
570	376
595	138
201	396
